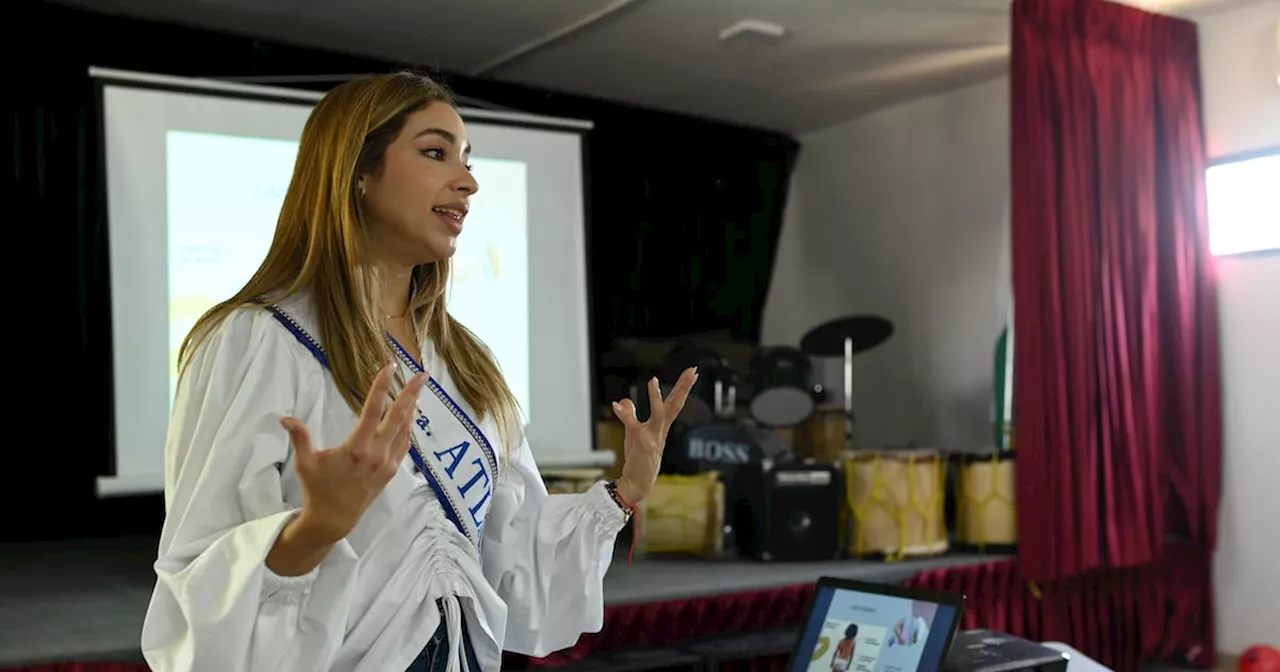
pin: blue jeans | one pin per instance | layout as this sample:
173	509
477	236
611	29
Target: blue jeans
434	656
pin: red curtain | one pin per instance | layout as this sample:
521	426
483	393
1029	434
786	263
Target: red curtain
1121	618
1119	411
671	621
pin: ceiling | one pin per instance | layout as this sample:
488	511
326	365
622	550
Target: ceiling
837	58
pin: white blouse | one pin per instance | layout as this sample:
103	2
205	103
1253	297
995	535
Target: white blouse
371	605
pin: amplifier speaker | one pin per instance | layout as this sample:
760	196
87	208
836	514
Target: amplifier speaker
793	513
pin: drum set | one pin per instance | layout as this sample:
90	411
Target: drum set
774	410
778	399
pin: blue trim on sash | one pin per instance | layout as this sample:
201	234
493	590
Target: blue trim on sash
449	403
414	451
300	334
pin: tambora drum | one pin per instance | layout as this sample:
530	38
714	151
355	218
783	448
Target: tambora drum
683	514
895	503
986	513
611	435
571	481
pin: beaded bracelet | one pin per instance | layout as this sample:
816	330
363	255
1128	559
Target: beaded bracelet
628	509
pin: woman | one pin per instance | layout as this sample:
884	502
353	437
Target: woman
311	525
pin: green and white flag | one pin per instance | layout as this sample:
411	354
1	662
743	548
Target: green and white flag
1002	408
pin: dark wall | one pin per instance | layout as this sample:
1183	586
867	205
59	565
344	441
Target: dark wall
683	218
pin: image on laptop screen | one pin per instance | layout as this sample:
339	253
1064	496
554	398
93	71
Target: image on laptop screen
876	629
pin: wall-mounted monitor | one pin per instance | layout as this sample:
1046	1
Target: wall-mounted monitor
1244	203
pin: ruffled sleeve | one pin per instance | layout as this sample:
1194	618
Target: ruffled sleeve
546	556
216	606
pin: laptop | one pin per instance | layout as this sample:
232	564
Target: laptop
854	626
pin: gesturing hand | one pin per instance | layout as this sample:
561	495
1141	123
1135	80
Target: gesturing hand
340	483
645	441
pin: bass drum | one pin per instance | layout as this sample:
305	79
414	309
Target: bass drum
783	393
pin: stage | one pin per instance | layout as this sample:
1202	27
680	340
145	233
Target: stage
85	601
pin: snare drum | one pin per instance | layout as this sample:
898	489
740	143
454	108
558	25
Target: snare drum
781	381
824	437
895	504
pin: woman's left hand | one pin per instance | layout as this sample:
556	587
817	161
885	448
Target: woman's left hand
646	440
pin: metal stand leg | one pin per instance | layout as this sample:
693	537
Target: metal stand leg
848	393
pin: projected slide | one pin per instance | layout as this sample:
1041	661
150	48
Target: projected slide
490	292
224	195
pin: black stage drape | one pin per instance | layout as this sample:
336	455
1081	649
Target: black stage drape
683	220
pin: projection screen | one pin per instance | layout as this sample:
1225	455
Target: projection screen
195	172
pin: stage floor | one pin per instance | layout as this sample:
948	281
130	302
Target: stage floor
85	601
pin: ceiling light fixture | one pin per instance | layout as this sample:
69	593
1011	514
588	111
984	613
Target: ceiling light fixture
753	29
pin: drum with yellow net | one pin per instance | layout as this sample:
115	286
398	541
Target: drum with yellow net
986	512
895	503
683	514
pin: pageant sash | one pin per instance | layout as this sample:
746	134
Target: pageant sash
447	446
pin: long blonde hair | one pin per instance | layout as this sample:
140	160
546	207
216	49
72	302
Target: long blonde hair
322	245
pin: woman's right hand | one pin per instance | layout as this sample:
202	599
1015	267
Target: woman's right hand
339	484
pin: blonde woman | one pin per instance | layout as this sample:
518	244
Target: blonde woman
347	483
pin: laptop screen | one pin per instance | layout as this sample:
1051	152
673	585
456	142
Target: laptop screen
852	630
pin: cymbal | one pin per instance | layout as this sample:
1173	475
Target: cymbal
618	360
827	340
685	355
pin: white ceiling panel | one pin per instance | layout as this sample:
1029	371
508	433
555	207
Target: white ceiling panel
837	58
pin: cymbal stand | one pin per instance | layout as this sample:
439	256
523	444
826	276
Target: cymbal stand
725	399
848	392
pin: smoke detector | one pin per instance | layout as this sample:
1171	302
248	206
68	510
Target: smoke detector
753	30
